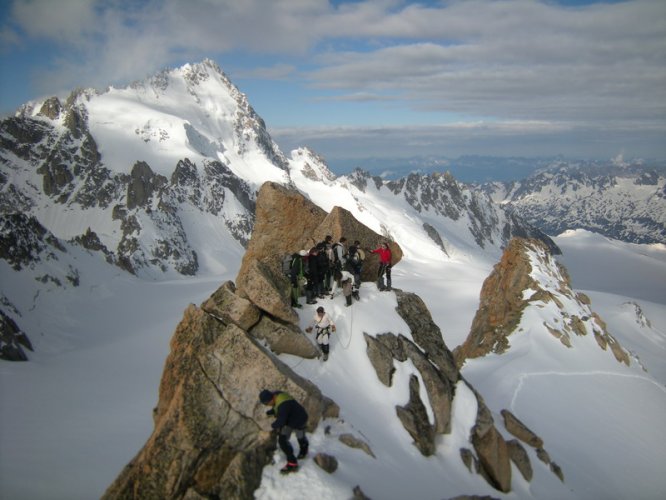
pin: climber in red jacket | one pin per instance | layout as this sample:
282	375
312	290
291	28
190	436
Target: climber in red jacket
384	266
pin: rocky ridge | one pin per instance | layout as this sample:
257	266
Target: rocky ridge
211	439
624	202
527	277
441	195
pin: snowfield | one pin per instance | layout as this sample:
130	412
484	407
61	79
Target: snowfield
82	407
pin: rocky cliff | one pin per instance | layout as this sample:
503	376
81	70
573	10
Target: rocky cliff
529	278
211	438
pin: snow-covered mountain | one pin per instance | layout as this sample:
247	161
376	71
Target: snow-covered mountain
160	178
148	171
119	208
624	201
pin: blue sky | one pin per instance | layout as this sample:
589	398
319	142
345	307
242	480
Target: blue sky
380	78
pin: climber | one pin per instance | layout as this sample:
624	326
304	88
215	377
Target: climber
323	325
290	416
355	259
347	284
384	266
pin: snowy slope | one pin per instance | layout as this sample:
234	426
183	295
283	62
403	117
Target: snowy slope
97	390
191	112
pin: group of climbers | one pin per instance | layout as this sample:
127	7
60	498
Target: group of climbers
327	267
318	273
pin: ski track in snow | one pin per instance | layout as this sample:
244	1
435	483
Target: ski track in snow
525	376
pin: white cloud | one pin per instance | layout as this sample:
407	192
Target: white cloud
65	21
519	59
513	60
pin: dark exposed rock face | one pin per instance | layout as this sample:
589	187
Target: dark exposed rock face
12	340
492	452
24	241
520	430
354	442
436	366
147	206
327	462
414	418
494	457
520	458
426	333
621	202
381	358
24	245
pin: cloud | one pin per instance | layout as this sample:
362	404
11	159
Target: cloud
505	138
68	22
513	61
275	72
522	60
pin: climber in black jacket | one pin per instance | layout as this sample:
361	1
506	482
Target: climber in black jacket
290	416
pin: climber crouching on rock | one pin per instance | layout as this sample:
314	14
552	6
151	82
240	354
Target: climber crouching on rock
290	416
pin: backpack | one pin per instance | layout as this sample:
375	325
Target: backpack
356	255
336	258
286	263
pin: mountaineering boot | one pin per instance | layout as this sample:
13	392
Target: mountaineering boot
290	467
325	356
303	451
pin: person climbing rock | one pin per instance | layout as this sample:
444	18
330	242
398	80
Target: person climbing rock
290	416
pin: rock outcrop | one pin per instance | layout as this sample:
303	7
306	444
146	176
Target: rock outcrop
12	340
286	222
513	286
437	369
211	437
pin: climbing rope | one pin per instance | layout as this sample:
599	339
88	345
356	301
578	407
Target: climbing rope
351	327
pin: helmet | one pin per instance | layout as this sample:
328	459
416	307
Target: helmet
265	396
320	309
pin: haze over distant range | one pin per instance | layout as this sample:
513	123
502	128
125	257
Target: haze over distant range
377	79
